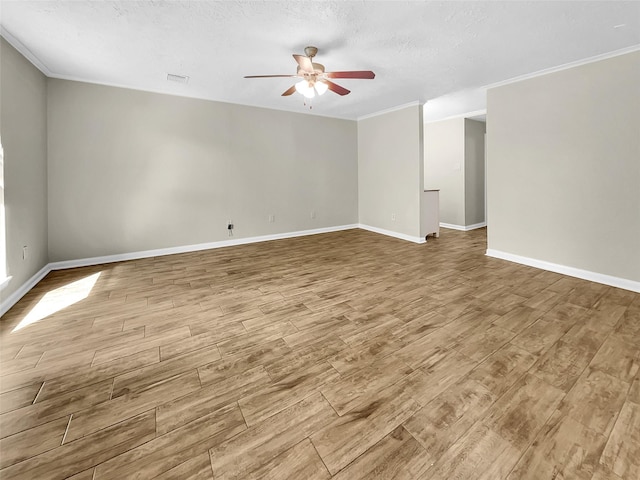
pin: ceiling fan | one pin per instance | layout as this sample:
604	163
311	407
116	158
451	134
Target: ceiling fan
314	79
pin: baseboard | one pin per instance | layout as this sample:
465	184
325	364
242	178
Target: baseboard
570	271
390	233
12	299
85	262
463	228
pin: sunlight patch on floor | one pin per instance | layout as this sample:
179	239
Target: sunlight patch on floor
58	299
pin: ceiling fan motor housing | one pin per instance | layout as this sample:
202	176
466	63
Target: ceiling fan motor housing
318	69
310	51
315	78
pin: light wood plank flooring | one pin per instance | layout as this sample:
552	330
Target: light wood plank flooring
347	355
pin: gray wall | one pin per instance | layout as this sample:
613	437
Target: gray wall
444	167
564	167
132	171
473	172
454	164
23	128
390	163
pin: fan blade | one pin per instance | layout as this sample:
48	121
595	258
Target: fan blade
290	91
304	62
365	74
270	76
334	87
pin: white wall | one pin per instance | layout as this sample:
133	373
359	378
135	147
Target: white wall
474	194
564	167
23	128
444	167
454	164
390	163
469	102
132	171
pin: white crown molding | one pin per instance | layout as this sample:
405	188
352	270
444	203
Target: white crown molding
566	66
528	76
26	53
157	91
389	110
390	233
12	299
463	228
566	270
460	115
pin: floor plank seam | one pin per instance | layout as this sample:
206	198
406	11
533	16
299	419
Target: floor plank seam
113	382
392	310
64	437
329	403
37	394
320	456
237	402
18	352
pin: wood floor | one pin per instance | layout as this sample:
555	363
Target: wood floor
347	355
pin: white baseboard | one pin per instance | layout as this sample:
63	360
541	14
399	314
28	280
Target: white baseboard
84	262
390	233
12	299
570	271
463	228
5	305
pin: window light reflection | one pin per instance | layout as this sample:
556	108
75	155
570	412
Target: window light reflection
58	299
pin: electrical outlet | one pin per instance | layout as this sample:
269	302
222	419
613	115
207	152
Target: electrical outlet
313	214
393	217
272	218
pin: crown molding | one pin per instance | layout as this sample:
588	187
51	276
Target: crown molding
566	66
389	110
26	53
36	62
460	115
70	78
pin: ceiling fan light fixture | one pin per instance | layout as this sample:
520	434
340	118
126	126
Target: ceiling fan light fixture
321	87
314	79
305	88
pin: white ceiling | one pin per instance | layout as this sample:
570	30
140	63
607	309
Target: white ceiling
418	50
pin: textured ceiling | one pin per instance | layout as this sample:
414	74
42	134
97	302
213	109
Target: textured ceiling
418	50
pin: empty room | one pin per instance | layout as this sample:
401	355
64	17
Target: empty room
353	240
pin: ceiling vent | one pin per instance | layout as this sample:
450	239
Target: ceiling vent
177	78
